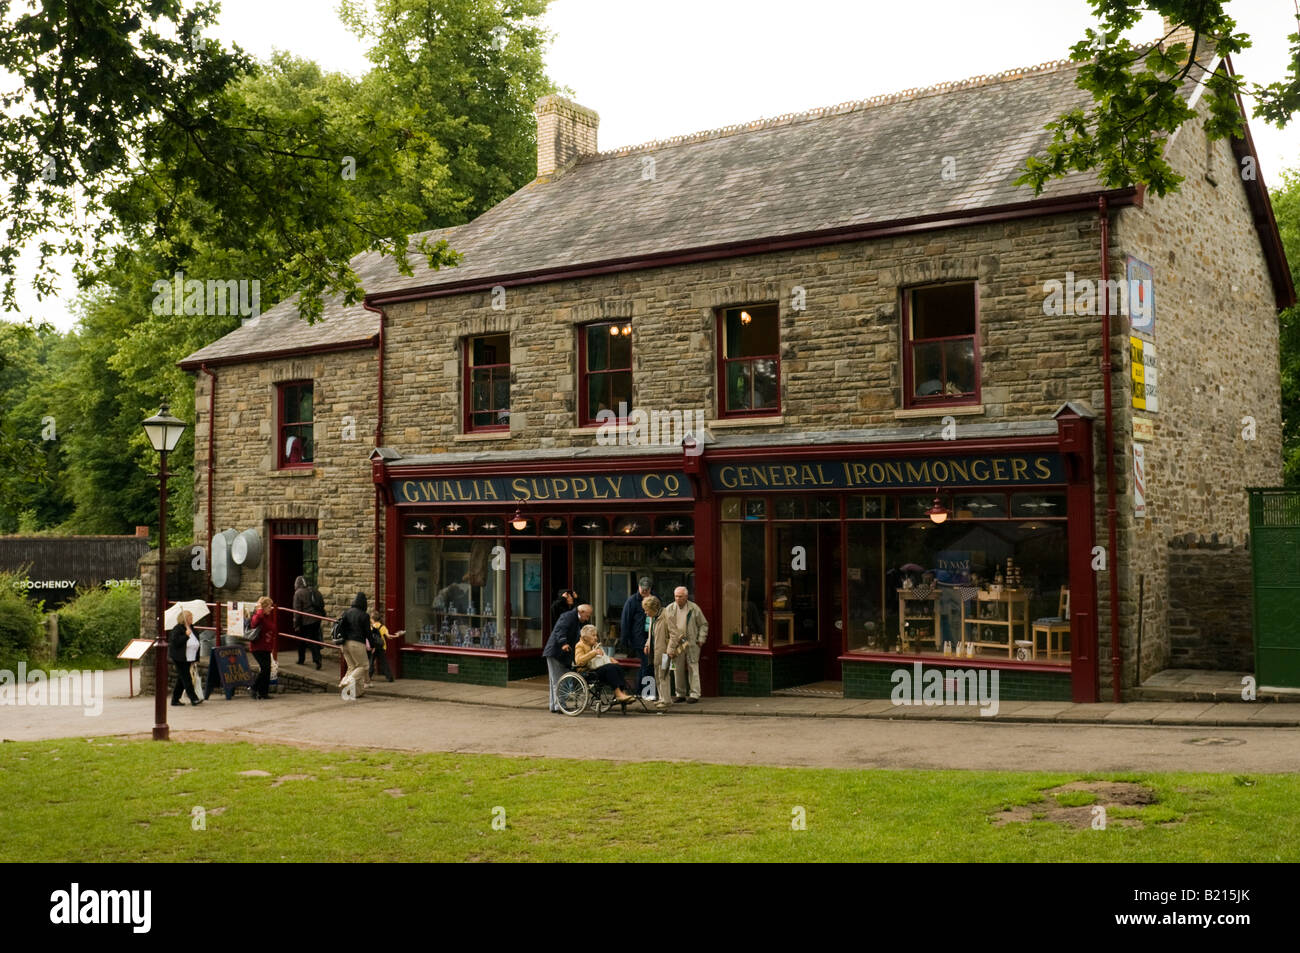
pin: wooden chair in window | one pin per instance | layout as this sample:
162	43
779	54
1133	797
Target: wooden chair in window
1054	628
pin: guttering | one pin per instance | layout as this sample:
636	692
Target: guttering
1107	369
811	239
212	430
379	442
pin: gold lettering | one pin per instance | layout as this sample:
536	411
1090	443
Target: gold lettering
407	494
746	476
520	486
959	468
859	473
673	483
538	486
806	475
1000	469
645	486
489	491
448	491
934	470
727	477
791	475
877	474
561	487
579	487
822	478
1019	469
894	471
975	466
616	484
918	475
1042	468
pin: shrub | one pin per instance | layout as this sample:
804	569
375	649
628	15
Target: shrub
22	622
99	622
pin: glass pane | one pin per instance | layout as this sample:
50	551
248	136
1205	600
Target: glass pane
738	385
959	359
752	331
765	384
620	389
554	526
453	597
620	347
794	591
985	506
867	599
501	390
598	338
927	370
1038	505
790	508
482	390
731	508
744	584
943	311
755	509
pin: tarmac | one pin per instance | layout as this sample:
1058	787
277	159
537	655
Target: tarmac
424	716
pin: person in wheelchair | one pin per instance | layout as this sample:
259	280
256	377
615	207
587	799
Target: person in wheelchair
589	658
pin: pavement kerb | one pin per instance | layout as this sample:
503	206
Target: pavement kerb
1123	714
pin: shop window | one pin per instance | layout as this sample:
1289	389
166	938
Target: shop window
940	345
744	583
487	383
296	444
605	371
453	598
749	360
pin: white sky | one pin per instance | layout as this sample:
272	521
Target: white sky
659	68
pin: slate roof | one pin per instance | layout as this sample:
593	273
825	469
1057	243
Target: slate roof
855	164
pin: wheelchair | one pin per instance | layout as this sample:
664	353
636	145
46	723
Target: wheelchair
575	692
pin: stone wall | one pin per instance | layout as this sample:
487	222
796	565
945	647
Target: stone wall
1210	604
1216	338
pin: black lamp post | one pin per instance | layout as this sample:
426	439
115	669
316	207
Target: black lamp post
164	433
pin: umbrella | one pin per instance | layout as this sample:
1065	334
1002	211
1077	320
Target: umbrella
196	606
912	567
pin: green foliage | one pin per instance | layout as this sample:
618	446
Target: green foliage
22	622
99	622
1286	208
1138	98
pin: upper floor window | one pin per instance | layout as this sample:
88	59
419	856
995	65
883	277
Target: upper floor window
749	359
487	383
296	444
605	370
940	349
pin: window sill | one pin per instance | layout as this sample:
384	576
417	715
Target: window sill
725	422
490	435
956	410
294	472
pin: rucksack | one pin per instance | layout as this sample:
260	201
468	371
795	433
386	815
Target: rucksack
317	602
336	633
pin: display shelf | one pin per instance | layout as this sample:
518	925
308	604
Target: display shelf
471	630
918	616
1009	609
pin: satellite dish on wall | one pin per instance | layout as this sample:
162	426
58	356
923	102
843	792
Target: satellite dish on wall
246	550
225	572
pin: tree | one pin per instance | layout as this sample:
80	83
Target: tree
1286	207
1137	94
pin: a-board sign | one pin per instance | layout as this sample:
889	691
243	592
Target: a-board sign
233	665
135	649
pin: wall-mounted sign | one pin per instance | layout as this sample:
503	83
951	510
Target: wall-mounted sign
1141	290
1144	429
652	485
1139	481
1142	365
1003	469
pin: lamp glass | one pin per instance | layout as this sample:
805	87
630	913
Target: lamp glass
164	430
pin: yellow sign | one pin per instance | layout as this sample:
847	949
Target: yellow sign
1142	364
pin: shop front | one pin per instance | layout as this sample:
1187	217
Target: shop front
817	563
478	555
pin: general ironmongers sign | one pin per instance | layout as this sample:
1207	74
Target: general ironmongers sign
569	487
1003	469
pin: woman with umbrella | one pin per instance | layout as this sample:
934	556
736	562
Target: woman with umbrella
183	649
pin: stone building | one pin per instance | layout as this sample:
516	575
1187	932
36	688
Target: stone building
833	372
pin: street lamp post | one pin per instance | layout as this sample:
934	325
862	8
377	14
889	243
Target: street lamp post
164	433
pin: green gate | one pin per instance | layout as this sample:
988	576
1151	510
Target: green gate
1275	558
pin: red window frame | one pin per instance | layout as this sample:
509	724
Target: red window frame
910	400
467	375
721	318
282	462
584	376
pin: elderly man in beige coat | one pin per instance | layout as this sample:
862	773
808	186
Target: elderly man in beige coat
686	619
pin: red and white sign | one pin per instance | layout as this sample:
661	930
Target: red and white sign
1139	481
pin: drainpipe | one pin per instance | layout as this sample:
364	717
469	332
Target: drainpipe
379	442
212	431
1107	370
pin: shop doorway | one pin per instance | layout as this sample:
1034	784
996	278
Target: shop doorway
293	553
830	599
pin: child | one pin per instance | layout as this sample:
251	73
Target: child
376	644
590	656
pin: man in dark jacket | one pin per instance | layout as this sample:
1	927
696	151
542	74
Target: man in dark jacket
559	647
307	599
633	632
356	628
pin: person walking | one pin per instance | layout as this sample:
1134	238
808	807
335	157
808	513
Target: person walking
378	644
687	620
356	631
262	624
559	647
307	599
633	631
662	645
180	637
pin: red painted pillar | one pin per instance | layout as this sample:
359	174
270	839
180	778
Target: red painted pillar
1074	434
707	591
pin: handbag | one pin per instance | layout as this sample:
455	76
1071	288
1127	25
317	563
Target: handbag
336	632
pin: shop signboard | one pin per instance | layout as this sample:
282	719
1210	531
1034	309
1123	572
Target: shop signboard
1141	298
563	488
1144	429
915	472
1142	364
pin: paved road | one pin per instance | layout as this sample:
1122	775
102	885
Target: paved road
420	725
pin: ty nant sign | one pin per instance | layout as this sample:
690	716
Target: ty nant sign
1009	469
653	485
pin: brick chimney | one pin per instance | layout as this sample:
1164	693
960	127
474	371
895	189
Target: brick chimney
565	131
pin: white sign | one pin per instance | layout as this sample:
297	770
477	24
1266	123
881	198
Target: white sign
1139	481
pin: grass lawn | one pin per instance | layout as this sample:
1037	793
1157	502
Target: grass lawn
115	800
